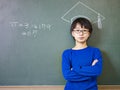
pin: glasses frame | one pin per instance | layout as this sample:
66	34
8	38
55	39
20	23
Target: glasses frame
83	31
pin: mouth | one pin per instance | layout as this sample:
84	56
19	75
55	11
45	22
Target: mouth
81	38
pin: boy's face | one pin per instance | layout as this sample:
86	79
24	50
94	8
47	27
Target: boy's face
80	34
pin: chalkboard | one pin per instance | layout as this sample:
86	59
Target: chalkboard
34	33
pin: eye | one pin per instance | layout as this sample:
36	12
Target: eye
77	30
85	30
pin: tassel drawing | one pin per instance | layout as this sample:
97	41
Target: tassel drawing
99	22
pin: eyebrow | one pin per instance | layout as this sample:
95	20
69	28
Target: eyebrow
81	29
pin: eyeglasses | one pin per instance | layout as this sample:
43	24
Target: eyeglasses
79	31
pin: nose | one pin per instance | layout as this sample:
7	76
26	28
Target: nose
81	32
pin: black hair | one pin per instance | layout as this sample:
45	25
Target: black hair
83	22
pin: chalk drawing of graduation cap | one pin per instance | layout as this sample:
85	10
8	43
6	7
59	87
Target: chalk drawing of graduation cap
82	10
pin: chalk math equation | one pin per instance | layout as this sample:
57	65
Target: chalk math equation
30	29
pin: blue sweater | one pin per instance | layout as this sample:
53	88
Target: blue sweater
77	68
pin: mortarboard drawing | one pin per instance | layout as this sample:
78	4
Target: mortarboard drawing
82	10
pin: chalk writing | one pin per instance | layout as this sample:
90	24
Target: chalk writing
29	29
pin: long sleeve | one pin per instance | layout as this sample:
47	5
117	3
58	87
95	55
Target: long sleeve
77	68
92	70
69	73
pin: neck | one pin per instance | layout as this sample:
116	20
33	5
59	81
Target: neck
80	45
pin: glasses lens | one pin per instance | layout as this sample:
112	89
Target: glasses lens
83	31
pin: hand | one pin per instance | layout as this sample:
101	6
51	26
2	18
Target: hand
94	62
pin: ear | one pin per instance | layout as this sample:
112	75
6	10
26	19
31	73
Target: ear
72	33
89	34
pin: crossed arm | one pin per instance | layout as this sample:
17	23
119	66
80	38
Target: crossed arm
83	73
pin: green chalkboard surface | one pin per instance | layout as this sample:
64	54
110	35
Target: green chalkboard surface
34	33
